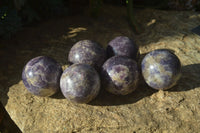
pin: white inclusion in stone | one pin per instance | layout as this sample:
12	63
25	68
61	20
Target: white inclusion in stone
158	78
71	88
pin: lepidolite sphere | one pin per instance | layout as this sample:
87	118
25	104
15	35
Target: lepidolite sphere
161	69
80	83
41	76
88	52
120	75
123	46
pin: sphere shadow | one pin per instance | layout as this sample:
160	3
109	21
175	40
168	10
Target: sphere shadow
58	95
107	99
190	78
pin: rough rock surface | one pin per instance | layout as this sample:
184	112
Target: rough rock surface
144	110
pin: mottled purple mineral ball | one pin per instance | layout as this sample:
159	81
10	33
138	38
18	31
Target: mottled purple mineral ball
80	83
123	46
88	52
120	75
161	69
41	76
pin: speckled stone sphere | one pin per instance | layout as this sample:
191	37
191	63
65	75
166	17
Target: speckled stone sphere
120	75
123	46
41	76
80	83
161	69
88	52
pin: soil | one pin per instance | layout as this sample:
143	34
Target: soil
144	110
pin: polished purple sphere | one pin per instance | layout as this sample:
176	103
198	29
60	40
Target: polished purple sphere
120	75
161	69
41	76
80	83
123	46
88	52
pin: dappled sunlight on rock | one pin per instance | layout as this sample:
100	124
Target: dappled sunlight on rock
153	21
73	32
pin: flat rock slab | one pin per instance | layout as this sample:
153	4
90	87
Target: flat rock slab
145	110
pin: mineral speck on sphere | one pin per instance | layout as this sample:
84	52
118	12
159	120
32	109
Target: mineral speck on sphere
88	52
41	76
161	69
123	46
120	75
80	83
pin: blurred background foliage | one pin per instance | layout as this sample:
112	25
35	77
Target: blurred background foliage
17	13
10	22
